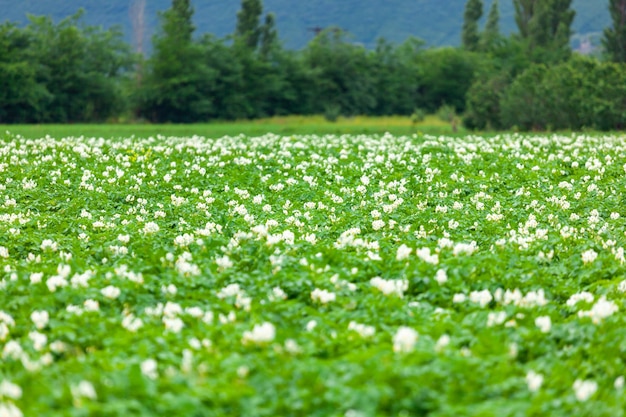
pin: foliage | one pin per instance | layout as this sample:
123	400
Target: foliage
470	37
580	93
483	102
65	72
176	82
491	36
446	74
614	39
313	275
545	27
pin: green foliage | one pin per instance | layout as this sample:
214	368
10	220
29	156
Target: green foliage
580	93
446	113
176	83
483	101
614	39
445	76
313	275
248	28
418	116
342	74
545	27
491	36
65	72
21	96
470	37
332	112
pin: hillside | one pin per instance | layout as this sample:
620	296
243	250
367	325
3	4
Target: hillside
438	23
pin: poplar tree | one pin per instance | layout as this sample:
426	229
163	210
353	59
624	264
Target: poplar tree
491	34
470	36
614	39
546	27
248	27
269	36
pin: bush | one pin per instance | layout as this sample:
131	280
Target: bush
332	112
446	113
418	116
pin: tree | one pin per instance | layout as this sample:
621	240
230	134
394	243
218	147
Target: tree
21	96
248	28
269	36
614	39
491	34
81	67
470	36
545	26
176	84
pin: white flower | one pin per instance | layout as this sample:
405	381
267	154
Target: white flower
291	346
390	286
362	329
261	333
10	410
459	298
600	310
39	340
84	389
544	323
131	323
40	318
150	228
534	381
35	277
12	350
441	276
10	390
482	298
404	340
276	294
111	292
424	255
584	389
442	342
619	383
378	224
464	248
496	318
173	324
589	256
4	252
223	262
311	325
403	252
91	305
581	296
49	244
149	368
323	296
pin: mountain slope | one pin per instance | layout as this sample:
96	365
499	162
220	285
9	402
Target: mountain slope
437	22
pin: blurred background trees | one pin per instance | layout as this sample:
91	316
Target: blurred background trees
69	72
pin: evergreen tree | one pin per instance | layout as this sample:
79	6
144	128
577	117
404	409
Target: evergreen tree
248	23
470	36
491	34
269	36
614	40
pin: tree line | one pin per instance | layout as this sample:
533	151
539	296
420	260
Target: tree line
69	72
